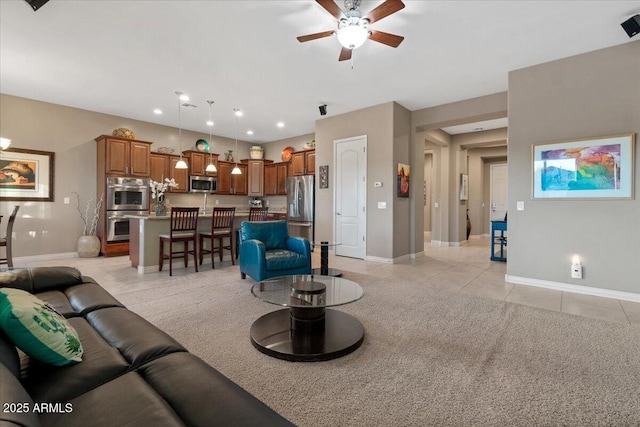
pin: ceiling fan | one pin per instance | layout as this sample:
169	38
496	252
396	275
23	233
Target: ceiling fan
353	28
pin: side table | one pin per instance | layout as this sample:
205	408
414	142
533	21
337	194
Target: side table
324	269
498	238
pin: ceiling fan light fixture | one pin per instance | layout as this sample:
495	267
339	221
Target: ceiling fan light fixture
352	36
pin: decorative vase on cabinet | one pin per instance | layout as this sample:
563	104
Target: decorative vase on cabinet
256	152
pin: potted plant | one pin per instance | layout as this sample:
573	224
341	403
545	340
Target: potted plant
89	244
157	192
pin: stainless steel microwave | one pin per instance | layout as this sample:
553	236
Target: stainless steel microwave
203	184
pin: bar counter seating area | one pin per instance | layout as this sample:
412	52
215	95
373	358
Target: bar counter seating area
144	241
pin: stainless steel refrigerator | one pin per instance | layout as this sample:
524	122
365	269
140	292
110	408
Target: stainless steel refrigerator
301	206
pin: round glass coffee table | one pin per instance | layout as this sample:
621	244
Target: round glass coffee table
307	331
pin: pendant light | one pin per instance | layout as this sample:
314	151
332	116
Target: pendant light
236	170
210	167
181	163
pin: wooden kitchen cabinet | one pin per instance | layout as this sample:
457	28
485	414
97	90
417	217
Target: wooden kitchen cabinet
159	167
124	157
164	166
255	177
239	182
180	175
232	184
198	162
275	178
303	163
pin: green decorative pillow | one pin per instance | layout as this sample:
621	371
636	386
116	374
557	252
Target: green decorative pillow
37	329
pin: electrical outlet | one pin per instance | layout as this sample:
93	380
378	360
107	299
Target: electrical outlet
576	272
576	268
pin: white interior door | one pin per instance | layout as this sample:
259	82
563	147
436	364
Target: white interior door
499	180
350	196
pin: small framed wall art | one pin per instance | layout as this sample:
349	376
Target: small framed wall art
586	168
324	176
403	180
464	186
26	175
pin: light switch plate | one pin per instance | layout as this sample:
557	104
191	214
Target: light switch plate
382	205
520	205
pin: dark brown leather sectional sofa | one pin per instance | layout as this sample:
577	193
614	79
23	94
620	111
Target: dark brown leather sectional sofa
132	373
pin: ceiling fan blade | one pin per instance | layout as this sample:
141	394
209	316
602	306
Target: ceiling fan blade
310	37
345	54
384	10
386	38
331	7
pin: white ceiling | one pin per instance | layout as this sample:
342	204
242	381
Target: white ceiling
128	57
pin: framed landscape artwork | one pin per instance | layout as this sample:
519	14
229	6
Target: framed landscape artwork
26	175
588	168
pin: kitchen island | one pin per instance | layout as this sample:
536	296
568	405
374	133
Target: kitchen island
144	243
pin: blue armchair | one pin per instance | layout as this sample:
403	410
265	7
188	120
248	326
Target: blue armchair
266	251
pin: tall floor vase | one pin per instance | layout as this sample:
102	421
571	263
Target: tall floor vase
88	246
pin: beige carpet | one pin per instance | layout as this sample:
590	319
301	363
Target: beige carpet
430	357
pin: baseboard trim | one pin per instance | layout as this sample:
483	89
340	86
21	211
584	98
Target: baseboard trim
417	255
378	259
440	243
45	257
577	289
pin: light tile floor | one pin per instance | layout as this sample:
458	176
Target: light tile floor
466	269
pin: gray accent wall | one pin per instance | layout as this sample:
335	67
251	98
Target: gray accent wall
588	95
387	128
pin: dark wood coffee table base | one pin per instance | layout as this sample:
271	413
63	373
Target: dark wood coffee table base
332	334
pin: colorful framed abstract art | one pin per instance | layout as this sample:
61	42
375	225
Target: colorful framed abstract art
587	168
26	175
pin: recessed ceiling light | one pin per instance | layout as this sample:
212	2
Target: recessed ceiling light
238	113
157	111
209	123
280	124
184	97
249	132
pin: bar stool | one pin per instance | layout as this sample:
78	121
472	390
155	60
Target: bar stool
184	229
255	215
6	241
221	227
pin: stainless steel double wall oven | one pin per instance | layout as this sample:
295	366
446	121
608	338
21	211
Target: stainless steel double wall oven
125	196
